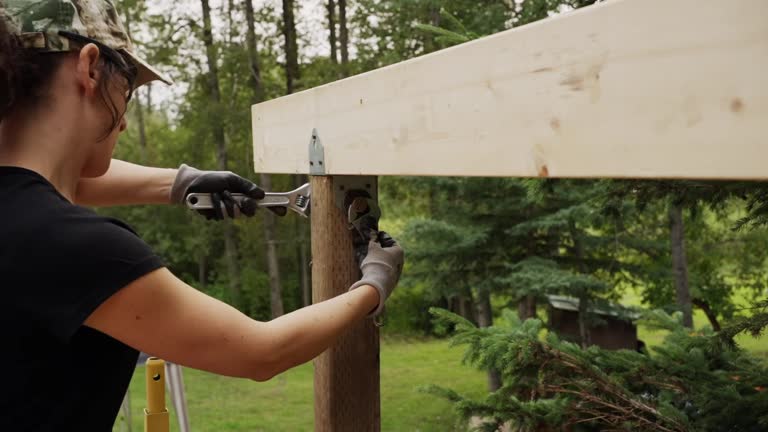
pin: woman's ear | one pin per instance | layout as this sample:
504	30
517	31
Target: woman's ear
88	72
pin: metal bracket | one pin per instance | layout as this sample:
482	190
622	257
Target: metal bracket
357	197
316	155
345	186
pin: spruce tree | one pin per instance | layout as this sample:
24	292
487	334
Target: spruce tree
692	381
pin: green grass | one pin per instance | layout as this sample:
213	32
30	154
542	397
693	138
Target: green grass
757	346
285	403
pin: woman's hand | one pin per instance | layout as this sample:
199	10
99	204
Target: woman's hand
381	268
221	185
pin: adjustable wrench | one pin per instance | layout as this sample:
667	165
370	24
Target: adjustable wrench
297	200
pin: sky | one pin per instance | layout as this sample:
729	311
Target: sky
311	25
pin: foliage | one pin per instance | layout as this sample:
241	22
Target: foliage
754	325
470	242
466	238
725	218
684	385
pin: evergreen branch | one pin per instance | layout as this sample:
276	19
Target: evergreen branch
611	388
445	35
754	325
455	22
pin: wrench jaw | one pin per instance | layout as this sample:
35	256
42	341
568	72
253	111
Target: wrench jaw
301	201
363	215
303	206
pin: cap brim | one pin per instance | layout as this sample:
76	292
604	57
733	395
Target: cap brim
146	73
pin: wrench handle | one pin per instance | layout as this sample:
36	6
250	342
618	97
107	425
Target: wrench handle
203	201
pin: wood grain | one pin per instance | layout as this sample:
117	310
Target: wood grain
347	394
626	88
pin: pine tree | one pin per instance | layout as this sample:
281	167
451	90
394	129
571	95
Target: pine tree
691	382
719	258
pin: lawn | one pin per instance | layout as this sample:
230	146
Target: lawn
285	403
758	346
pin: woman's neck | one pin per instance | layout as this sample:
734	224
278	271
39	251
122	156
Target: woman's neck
43	146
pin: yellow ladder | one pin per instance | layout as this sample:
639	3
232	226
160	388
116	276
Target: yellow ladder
156	418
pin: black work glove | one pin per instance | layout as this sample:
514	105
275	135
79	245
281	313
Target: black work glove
221	185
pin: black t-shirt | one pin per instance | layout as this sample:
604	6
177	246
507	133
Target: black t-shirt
58	263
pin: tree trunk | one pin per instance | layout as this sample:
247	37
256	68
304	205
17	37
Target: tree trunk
306	282
291	47
137	103
202	271
458	306
331	7
485	319
148	86
711	315
465	308
584	334
142	128
292	76
527	307
233	265
268	218
273	265
232	27
214	95
344	37
680	263
253	54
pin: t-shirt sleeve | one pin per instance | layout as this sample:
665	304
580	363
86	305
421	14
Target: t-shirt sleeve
82	263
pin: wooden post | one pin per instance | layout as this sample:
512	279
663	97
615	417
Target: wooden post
347	374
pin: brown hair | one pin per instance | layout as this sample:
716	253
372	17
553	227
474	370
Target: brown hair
25	75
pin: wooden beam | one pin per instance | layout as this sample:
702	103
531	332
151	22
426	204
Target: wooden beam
346	375
626	88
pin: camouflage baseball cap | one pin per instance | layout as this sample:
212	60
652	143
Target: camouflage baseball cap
53	25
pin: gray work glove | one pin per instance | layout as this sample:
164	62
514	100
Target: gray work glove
221	185
381	268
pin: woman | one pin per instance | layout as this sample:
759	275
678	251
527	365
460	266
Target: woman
82	292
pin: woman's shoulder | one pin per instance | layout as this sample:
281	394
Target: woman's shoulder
30	199
34	215
25	190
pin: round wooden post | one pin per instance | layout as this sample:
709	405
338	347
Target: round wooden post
347	394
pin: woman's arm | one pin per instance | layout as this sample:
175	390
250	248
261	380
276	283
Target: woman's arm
161	315
126	183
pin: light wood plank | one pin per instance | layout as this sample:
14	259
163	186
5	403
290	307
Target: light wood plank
627	88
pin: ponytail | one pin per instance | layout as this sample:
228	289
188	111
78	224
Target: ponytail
24	73
10	56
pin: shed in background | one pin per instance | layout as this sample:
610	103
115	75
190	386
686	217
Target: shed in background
611	325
